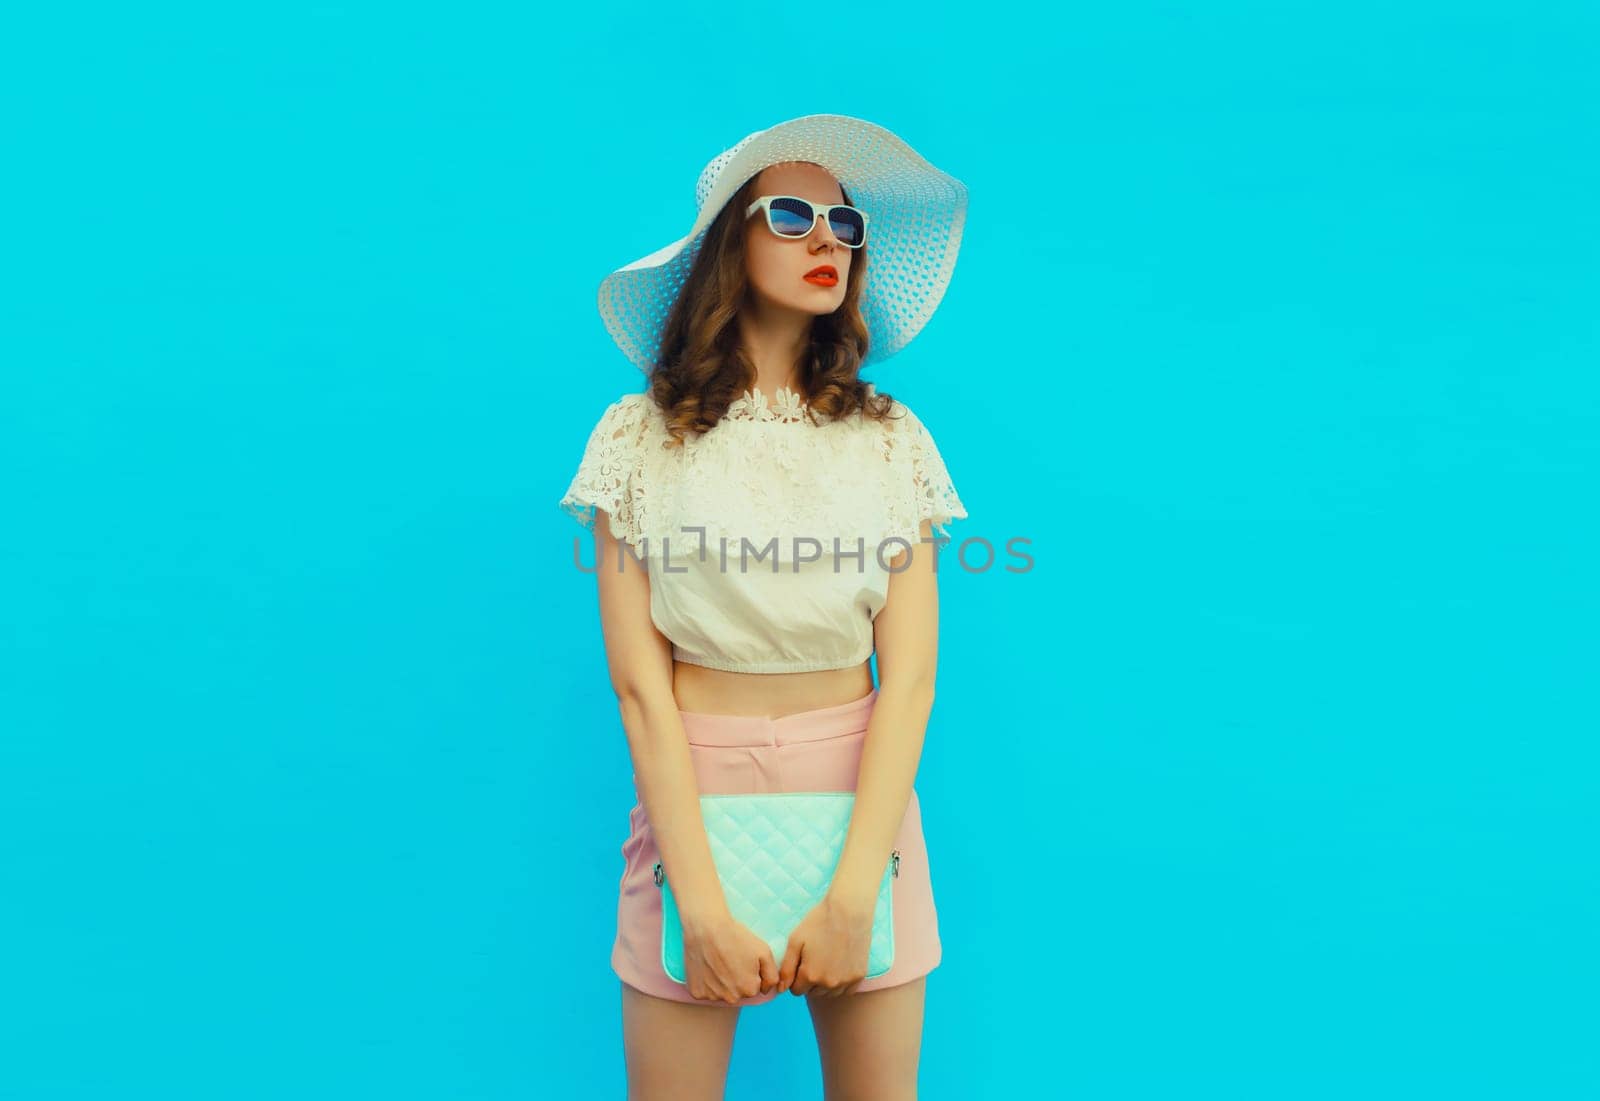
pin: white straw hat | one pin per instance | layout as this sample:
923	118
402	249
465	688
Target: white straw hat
915	216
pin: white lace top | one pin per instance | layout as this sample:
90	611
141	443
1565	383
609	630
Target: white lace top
768	538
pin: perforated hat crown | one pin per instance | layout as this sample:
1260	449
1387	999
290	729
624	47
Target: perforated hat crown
916	215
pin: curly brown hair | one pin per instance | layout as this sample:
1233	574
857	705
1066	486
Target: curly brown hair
701	366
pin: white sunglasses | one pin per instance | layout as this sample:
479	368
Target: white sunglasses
792	216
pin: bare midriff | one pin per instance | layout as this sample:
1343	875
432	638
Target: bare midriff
709	691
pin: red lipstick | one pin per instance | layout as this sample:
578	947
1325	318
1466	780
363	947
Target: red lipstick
823	275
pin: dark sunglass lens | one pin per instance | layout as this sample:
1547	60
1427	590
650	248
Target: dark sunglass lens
791	217
847	225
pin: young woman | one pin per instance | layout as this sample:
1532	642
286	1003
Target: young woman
764	522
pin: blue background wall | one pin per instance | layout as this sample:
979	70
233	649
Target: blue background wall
1274	330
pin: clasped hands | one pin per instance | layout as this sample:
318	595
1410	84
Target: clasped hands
828	950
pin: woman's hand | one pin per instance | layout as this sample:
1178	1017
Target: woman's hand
724	960
828	951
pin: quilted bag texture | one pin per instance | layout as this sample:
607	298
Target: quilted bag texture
775	854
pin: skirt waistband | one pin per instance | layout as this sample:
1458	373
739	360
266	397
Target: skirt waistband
802	726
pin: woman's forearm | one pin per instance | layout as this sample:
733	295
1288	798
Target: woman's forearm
670	794
889	760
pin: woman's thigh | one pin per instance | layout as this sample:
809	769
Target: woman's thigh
675	1051
870	1042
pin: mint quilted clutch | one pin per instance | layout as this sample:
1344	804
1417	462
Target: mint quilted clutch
775	854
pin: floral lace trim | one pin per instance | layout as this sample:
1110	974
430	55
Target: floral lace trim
788	407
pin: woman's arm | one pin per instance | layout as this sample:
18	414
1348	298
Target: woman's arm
640	662
906	635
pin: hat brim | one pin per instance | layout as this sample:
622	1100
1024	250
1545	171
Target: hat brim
917	212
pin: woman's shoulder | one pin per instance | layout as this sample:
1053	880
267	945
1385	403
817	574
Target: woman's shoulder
630	415
899	418
634	404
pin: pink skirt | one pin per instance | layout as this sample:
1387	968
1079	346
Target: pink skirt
818	750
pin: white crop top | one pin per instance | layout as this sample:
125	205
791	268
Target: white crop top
767	538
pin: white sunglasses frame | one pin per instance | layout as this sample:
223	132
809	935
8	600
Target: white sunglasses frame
819	210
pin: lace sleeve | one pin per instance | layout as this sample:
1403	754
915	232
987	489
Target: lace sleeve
936	494
933	494
607	476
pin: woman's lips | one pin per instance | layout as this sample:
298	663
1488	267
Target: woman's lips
822	277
